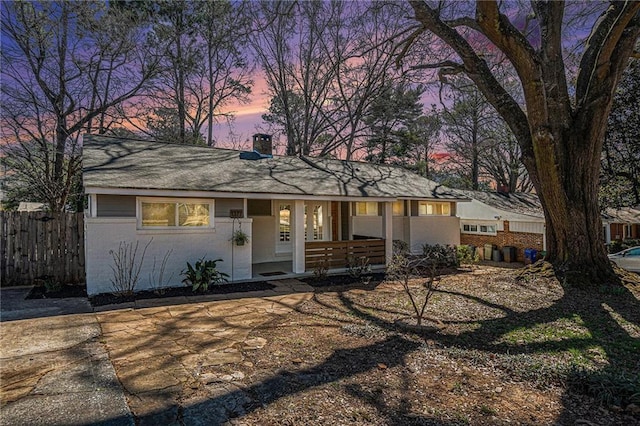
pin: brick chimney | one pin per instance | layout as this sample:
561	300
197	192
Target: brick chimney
262	144
503	189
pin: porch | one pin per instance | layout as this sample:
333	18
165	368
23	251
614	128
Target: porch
334	255
339	254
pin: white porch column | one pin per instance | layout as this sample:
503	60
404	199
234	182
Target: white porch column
607	233
387	229
93	206
297	243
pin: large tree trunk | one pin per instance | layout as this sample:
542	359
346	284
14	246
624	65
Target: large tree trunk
561	131
567	185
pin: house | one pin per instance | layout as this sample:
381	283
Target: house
299	212
502	219
621	224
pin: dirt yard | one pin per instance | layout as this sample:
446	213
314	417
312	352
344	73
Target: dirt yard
493	351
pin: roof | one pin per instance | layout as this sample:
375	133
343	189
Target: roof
512	202
110	162
622	215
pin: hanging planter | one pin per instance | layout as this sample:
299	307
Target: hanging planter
239	238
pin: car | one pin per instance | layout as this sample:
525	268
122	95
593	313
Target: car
628	259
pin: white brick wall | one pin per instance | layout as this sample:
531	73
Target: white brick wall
189	245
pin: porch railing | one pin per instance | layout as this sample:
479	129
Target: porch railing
337	254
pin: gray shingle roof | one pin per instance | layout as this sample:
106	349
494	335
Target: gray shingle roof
514	202
623	215
110	162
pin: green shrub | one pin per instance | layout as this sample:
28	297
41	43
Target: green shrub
607	387
203	274
618	246
466	255
440	255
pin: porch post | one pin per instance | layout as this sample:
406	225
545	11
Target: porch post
297	243
607	233
387	228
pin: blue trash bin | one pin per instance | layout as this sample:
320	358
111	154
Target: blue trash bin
530	255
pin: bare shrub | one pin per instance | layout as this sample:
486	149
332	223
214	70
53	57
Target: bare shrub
159	281
126	267
407	269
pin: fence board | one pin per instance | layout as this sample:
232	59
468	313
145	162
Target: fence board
336	254
39	245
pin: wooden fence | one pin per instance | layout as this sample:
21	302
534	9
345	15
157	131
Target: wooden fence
41	245
337	254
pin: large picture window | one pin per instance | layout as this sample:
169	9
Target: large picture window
175	213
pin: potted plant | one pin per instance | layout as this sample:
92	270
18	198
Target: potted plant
239	238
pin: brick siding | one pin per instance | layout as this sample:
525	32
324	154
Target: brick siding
519	240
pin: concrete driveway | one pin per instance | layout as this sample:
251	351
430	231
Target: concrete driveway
133	366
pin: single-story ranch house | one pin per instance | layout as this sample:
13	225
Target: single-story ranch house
298	212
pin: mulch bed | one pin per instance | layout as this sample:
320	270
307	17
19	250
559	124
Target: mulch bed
67	290
345	280
110	298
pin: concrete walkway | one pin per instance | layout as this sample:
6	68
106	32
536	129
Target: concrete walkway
13	305
147	365
55	371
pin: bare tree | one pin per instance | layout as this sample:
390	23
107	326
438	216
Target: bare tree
325	63
223	28
67	66
501	160
288	43
560	131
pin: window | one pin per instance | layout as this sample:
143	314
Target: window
474	228
161	213
398	208
284	216
426	208
369	208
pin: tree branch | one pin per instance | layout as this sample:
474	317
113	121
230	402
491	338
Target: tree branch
615	34
477	69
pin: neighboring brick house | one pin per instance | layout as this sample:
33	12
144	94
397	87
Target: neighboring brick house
622	224
502	219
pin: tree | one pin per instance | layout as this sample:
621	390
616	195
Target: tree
67	67
483	148
325	63
388	119
416	148
621	153
223	28
468	122
560	130
501	160
288	44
